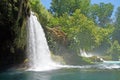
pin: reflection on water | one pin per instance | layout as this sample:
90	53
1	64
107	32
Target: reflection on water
63	74
38	76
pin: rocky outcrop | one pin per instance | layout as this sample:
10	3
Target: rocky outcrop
13	14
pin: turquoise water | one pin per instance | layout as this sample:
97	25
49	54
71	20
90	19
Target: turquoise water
62	74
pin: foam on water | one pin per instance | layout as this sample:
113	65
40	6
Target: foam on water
38	50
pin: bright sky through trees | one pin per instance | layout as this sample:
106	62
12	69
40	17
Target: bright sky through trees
116	3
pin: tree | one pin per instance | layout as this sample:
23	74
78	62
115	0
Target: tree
116	33
59	7
101	13
114	51
43	14
81	32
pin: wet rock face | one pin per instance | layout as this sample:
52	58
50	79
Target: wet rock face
13	14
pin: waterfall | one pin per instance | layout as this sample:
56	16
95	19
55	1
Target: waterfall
37	49
84	54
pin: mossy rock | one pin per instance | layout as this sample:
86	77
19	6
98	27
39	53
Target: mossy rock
58	59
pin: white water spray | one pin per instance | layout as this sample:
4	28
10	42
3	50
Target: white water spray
84	54
38	50
110	64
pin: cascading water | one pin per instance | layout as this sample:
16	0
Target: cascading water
38	50
84	54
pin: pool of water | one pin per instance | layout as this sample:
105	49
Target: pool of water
63	74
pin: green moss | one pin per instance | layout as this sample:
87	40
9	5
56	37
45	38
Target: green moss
15	8
15	1
87	60
13	14
21	35
58	59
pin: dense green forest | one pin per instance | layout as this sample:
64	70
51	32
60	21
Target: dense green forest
78	24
